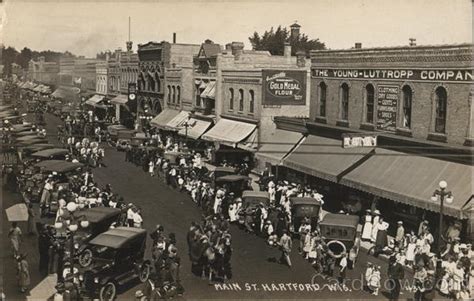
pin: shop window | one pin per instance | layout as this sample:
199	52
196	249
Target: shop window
441	99
322	99
407	95
174	94
231	99
169	94
369	103
344	102
178	97
252	101
241	100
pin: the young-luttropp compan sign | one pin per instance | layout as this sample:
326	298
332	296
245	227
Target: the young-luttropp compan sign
283	87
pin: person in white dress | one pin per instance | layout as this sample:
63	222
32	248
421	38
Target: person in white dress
375	222
367	231
151	168
271	192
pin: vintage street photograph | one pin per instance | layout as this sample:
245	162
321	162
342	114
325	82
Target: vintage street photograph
236	150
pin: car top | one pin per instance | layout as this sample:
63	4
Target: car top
118	237
29	137
46	153
25	133
58	165
38	147
333	219
255	194
36	140
98	214
232	178
304	201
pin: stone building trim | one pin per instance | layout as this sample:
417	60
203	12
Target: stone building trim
242	81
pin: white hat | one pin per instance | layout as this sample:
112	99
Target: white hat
376	211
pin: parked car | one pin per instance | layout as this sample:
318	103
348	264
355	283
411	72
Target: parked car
52	153
301	208
250	202
118	259
342	234
100	219
234	183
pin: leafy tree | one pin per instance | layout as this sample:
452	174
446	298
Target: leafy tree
24	57
9	55
274	40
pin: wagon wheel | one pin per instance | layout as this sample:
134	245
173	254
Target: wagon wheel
144	272
108	292
85	258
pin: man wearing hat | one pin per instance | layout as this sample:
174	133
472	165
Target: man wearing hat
396	273
130	214
400	234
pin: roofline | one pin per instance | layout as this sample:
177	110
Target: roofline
394	48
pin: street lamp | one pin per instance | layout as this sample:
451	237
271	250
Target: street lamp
441	195
72	223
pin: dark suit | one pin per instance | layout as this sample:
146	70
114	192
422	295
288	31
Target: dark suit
396	273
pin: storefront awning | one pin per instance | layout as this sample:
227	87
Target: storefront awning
196	128
203	85
277	145
120	99
94	100
412	179
210	91
324	157
250	143
178	121
66	92
162	119
229	131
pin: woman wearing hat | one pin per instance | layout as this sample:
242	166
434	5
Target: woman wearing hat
23	273
367	231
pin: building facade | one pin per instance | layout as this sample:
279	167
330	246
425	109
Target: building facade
84	74
102	78
43	72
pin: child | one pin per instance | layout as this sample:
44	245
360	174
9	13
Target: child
410	253
374	281
368	274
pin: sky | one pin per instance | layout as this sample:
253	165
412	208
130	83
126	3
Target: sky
86	27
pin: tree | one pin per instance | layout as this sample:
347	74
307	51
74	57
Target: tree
274	41
24	57
9	55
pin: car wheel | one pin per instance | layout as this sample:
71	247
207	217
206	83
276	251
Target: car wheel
144	272
108	292
85	258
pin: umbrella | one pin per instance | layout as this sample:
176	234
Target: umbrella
17	213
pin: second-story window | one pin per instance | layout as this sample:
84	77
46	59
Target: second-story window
322	99
178	97
174	94
241	100
369	103
344	102
441	99
169	94
251	101
231	99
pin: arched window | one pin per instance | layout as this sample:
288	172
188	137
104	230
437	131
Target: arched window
158	84
241	100
369	103
169	94
231	99
344	102
178	98
251	101
152	83
174	94
407	96
441	99
322	99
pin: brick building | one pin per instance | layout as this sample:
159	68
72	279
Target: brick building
417	102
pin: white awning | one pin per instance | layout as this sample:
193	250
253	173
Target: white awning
178	121
196	128
94	100
120	99
229	131
210	91
162	119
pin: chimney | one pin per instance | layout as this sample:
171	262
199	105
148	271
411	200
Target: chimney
237	49
174	37
287	50
300	58
412	42
358	45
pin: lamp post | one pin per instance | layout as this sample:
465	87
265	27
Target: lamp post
72	223
441	195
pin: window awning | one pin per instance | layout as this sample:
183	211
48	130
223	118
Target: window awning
210	91
250	143
94	100
277	145
178	121
203	85
66	92
229	131
324	157
412	179
162	119
120	99
196	128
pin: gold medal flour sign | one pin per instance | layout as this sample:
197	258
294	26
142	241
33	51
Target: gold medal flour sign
387	104
283	87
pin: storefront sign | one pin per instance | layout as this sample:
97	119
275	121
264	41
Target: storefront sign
282	87
454	75
354	140
387	103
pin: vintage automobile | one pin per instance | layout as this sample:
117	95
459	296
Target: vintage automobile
118	259
233	183
100	219
58	166
52	153
250	201
304	207
342	234
27	150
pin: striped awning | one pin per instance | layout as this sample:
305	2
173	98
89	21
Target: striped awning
210	91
